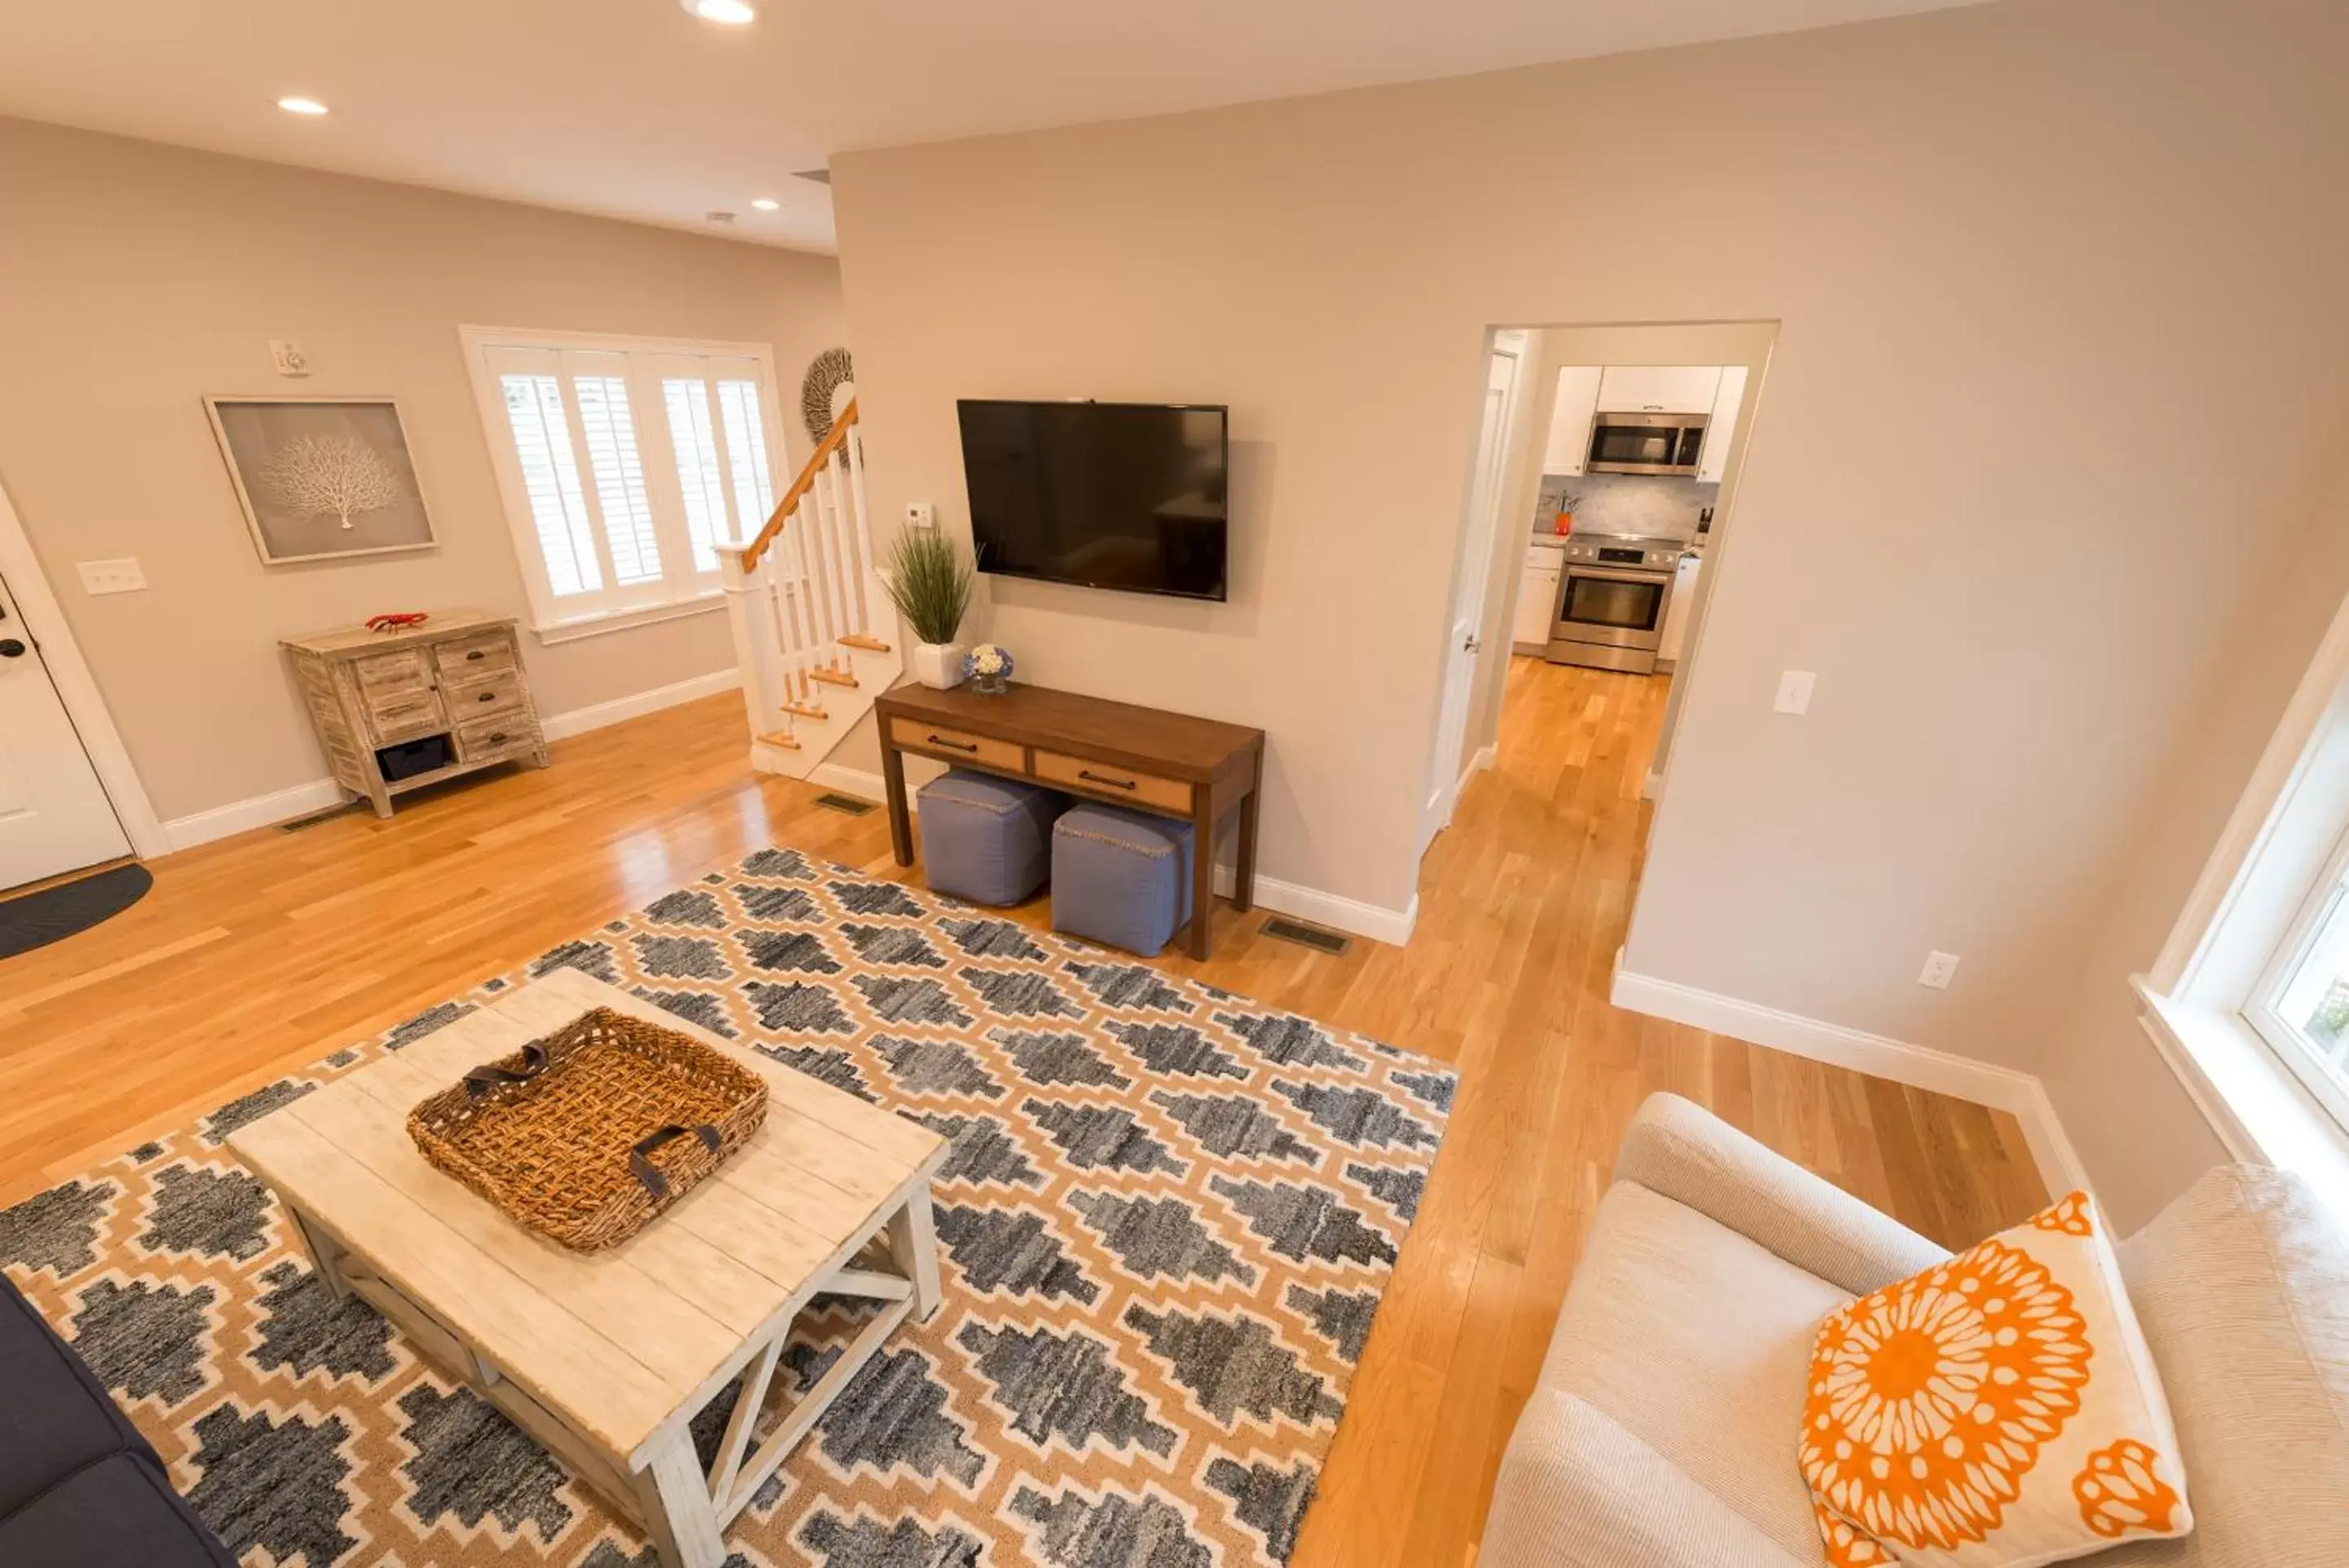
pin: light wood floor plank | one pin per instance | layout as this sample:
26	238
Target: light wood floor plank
258	954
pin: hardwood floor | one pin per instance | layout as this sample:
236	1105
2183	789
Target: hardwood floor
261	953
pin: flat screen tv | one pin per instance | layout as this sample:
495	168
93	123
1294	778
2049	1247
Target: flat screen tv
1106	495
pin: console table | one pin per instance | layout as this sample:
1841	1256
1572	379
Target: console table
1200	770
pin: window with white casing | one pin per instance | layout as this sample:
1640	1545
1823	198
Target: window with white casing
2249	1001
624	463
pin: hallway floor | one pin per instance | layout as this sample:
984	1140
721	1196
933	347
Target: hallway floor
264	953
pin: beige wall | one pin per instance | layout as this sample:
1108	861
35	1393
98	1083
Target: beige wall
2108	220
135	278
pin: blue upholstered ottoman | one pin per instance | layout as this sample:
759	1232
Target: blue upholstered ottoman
1121	877
986	839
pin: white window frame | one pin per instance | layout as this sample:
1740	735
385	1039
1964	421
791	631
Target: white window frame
2211	1000
683	588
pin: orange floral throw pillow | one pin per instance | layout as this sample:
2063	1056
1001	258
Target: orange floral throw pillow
1998	1411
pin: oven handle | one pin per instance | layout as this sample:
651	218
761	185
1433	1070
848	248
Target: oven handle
1618	573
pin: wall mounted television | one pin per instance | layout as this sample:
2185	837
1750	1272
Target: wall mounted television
1133	497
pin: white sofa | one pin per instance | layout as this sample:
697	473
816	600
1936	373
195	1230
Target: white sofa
1662	1432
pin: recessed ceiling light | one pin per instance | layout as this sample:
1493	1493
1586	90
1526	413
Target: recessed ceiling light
301	106
765	203
732	13
720	217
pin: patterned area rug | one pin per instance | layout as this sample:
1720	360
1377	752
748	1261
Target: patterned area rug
1166	1222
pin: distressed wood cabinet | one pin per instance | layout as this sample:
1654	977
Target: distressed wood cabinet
397	711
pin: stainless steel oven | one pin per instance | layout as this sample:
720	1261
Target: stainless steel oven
1645	443
1610	603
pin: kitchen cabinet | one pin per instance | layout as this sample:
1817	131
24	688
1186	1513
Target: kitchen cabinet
1537	588
1680	608
1712	462
1659	389
1569	419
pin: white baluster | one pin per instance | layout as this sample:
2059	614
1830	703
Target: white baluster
859	534
835	576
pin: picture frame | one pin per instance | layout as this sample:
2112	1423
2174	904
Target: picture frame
322	479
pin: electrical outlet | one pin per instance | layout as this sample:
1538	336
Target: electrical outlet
1795	690
1940	967
122	576
921	514
287	355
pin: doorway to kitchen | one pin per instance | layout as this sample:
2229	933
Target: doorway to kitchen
1613	514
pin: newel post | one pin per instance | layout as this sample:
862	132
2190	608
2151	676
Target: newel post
758	640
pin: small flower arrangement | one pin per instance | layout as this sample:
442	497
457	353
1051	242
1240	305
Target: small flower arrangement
989	666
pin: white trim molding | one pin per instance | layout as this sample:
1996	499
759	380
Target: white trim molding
1376	922
619	710
323	795
2019	1094
77	688
857	781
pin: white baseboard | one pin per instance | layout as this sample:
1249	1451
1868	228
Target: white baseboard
1652	787
596	716
863	786
1484	758
254	811
319	794
2005	1089
1375	922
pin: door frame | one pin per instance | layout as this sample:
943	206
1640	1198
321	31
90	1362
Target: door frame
1448	781
45	619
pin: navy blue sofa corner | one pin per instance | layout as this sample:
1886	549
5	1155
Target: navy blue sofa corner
79	1488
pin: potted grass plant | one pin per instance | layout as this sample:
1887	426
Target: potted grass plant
929	582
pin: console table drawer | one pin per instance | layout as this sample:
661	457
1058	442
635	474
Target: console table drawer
1115	784
478	658
979	749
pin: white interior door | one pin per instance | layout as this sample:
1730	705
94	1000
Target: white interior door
53	814
1472	575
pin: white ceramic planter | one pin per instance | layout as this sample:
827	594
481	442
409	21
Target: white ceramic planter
938	665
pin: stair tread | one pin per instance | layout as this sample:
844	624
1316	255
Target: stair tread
869	644
833	677
806	710
789	742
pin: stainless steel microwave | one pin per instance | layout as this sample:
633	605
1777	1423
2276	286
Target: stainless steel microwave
1645	443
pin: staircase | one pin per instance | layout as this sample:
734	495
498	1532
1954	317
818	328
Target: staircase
806	606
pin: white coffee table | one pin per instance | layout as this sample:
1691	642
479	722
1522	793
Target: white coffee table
605	1357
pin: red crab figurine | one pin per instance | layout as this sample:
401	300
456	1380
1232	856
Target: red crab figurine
399	621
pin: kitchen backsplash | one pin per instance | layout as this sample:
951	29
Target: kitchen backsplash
1662	507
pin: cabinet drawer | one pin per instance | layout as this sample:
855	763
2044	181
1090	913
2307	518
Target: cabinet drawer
470	659
1115	783
392	673
501	735
944	743
480	698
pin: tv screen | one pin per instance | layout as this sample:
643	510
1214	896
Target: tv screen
1105	495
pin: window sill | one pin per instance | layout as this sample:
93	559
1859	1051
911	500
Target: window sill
578	626
2252	1101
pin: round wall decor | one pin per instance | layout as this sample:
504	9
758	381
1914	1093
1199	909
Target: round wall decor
830	382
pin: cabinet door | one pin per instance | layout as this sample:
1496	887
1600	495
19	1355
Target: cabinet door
1713	462
1659	389
1536	605
1570	420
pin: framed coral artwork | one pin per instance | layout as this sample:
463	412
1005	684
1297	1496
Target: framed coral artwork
321	479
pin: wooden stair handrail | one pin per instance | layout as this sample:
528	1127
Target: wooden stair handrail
833	439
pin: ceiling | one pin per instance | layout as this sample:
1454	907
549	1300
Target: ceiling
633	108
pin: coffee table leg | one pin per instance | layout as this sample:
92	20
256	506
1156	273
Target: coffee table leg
914	1247
323	1256
674	1496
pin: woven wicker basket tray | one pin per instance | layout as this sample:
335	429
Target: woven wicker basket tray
587	1134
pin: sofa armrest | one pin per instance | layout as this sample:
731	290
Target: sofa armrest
1577	1490
1693	1156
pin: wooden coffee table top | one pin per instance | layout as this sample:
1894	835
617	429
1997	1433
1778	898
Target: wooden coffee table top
623	1345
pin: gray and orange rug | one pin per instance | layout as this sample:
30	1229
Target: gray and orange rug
1167	1221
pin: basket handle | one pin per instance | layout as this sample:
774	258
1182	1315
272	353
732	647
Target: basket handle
482	1080
648	1172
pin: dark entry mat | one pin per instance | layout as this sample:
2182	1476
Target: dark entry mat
36	920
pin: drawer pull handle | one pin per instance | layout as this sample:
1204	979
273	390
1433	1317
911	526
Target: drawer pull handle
487	697
498	739
1092	777
477	656
970	746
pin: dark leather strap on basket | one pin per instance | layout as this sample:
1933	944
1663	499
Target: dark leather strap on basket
648	1172
482	1080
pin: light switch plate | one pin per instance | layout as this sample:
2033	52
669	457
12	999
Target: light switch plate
1939	969
287	355
1795	690
122	576
921	514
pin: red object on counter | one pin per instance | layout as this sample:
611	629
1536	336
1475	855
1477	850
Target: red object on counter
399	620
1565	524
